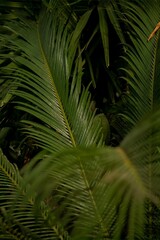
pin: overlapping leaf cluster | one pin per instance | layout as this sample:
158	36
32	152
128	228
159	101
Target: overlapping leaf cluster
75	187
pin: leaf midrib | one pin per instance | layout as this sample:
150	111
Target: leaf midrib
69	129
55	89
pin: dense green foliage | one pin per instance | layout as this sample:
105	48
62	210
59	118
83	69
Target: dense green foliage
79	120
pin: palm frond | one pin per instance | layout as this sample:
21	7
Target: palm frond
113	194
142	58
51	91
109	11
104	33
114	13
50	87
91	193
18	216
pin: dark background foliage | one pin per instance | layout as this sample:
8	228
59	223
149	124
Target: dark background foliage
86	186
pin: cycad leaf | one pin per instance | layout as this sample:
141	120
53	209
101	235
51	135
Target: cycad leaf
111	199
50	92
141	73
77	34
104	33
114	15
18	216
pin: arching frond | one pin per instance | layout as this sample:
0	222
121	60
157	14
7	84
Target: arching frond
17	210
75	189
116	194
49	83
142	58
49	86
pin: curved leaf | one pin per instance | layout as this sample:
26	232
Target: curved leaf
48	92
111	199
104	33
142	58
18	217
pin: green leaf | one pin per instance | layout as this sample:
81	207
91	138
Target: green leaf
51	92
6	99
110	196
49	86
3	133
142	59
102	119
104	33
115	17
77	34
18	214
